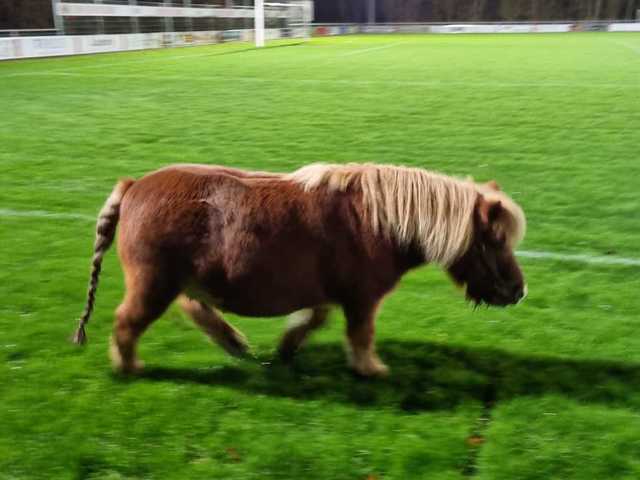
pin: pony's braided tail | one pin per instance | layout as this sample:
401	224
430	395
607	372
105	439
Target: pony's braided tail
105	232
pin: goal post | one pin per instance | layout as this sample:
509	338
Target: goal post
286	19
259	22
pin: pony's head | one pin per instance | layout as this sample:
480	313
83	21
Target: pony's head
488	268
471	229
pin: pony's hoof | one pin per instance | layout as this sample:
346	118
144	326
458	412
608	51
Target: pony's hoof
122	366
371	368
135	368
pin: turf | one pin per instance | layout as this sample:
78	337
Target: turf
549	389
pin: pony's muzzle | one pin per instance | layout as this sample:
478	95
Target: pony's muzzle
518	293
523	293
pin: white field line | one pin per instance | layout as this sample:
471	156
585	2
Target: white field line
633	47
122	62
142	60
579	258
9	213
319	81
158	58
370	49
529	254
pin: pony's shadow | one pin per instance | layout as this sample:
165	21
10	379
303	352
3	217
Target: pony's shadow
424	376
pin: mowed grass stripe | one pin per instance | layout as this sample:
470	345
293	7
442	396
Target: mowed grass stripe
339	82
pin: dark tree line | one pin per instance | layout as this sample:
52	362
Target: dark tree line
475	10
37	13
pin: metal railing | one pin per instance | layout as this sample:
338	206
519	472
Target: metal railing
175	4
27	32
479	22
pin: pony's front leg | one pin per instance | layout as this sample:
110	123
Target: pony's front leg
301	325
361	335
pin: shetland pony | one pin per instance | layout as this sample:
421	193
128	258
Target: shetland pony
264	244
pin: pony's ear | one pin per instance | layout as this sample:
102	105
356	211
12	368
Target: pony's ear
493	185
488	210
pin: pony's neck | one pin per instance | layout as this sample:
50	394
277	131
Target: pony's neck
411	256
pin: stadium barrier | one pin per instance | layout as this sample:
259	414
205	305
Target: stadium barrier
58	45
446	28
624	27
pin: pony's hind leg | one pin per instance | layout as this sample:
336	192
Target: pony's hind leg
221	332
148	296
301	324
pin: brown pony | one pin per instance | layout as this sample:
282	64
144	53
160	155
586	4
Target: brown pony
263	244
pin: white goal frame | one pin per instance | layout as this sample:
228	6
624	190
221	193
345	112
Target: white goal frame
259	22
306	17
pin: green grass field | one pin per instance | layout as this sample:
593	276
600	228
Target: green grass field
549	389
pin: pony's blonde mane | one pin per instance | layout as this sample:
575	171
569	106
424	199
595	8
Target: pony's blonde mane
415	206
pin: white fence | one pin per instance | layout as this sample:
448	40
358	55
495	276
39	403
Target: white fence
341	29
56	45
624	27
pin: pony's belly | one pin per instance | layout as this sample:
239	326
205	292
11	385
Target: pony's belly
269	300
250	309
257	301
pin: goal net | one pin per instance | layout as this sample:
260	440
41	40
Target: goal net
147	24
277	20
